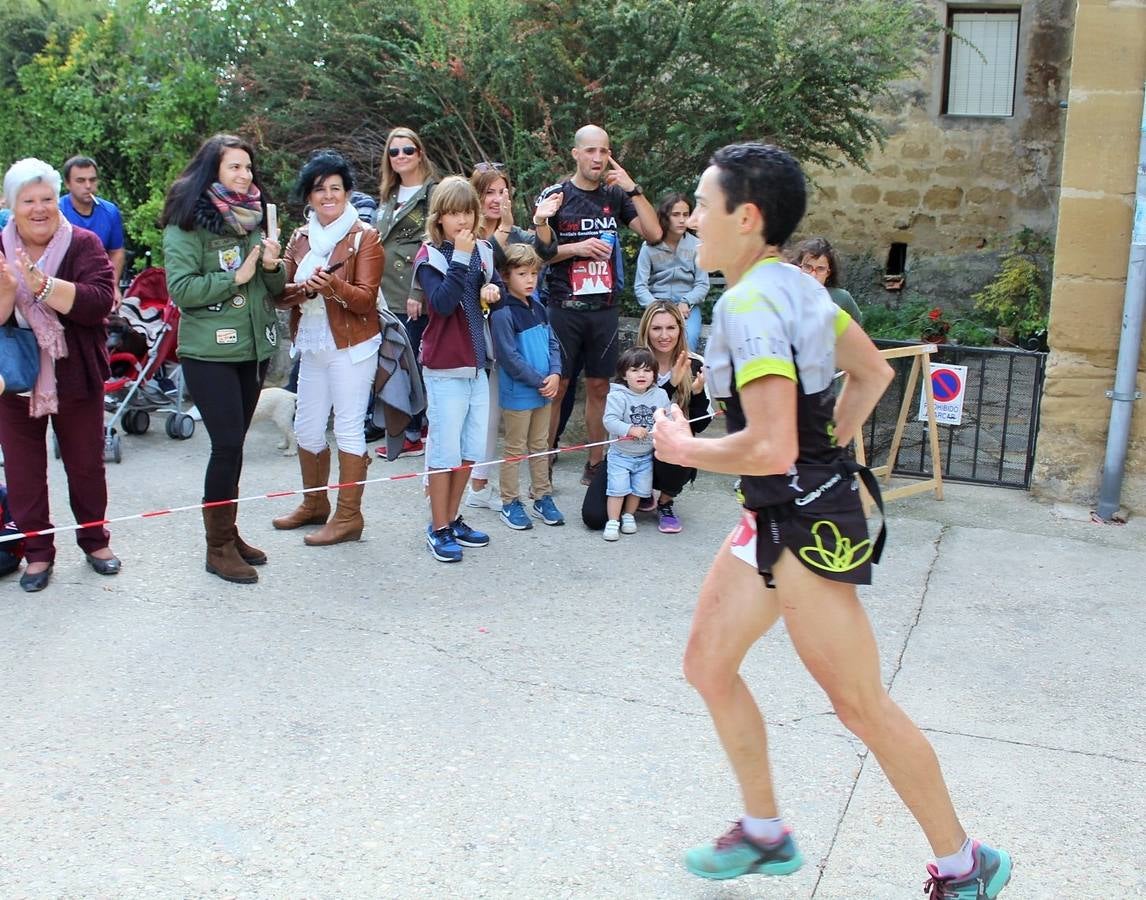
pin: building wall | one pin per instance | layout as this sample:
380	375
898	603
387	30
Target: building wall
1092	254
951	186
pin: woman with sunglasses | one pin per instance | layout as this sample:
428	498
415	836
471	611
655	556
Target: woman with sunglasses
408	178
492	184
817	258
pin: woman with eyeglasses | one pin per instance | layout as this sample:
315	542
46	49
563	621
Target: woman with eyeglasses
408	179
817	258
668	270
491	182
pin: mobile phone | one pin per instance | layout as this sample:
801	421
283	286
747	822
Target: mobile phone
338	265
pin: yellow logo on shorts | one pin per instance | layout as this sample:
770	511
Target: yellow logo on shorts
841	556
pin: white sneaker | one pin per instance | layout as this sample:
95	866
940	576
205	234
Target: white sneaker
628	523
612	530
483	499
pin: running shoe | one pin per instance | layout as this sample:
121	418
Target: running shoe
734	854
590	472
628	523
466	536
513	514
442	544
483	499
669	523
412	448
647	504
612	530
546	510
985	881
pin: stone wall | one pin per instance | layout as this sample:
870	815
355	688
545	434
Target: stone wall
953	187
1093	248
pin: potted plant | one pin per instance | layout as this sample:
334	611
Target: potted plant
934	326
1017	299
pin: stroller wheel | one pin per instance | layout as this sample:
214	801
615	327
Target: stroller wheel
180	426
136	421
112	452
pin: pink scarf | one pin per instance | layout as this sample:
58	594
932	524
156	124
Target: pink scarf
43	319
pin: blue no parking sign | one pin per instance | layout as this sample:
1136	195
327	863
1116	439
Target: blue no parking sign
947	385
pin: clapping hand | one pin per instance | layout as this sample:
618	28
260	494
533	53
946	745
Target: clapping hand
8	283
271	250
548	206
246	271
680	367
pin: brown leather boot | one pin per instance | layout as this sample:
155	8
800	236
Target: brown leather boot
252	556
346	525
315	506
222	556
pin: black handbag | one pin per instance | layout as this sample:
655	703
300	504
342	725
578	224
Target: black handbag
19	359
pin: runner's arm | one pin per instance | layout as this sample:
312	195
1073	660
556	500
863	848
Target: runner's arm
868	377
768	444
646	224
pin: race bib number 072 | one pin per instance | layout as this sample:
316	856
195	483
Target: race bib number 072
591	276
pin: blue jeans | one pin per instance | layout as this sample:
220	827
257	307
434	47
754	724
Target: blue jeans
692	328
629	474
458	410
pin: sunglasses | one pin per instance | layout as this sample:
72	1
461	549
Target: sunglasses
402	151
489	167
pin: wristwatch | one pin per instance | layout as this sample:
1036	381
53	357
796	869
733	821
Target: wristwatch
635	192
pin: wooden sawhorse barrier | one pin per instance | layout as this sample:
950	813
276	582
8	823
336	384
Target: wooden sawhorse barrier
918	352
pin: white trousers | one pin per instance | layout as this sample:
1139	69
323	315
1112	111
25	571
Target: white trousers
330	379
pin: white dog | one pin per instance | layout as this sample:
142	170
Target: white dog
276	406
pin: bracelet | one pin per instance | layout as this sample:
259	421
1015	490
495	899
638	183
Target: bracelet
45	289
539	224
502	231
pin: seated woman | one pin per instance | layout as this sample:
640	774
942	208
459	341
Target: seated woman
491	182
817	258
57	281
334	266
680	374
668	270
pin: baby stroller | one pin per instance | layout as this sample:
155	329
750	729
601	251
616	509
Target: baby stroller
146	377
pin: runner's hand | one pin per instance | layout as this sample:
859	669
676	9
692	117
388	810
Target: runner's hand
618	176
549	206
465	241
246	271
594	248
671	435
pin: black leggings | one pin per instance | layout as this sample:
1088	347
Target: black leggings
226	394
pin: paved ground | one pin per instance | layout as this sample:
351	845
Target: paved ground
366	722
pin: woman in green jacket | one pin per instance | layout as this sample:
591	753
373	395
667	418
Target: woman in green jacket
408	177
222	273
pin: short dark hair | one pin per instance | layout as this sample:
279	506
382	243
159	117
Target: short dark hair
636	358
78	162
664	208
819	246
321	165
767	177
199	174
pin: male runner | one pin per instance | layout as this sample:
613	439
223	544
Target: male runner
802	545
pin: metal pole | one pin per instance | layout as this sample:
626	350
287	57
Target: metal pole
1129	346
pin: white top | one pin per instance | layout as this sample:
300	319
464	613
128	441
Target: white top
405	193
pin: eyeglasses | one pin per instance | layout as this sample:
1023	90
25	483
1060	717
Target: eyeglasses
821	269
402	151
489	167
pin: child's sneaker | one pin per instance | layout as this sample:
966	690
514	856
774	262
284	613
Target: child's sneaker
513	514
483	499
985	881
628	523
466	536
443	545
734	854
612	530
669	523
546	510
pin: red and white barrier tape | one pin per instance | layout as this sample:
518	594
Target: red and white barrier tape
275	495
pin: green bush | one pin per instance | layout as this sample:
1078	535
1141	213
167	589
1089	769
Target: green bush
1018	297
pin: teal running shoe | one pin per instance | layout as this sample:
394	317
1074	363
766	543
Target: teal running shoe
984	882
734	854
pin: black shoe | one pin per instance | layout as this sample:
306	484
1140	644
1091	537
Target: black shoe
104	566
373	432
37	582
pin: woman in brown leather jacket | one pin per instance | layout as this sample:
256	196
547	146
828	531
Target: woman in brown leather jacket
334	265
